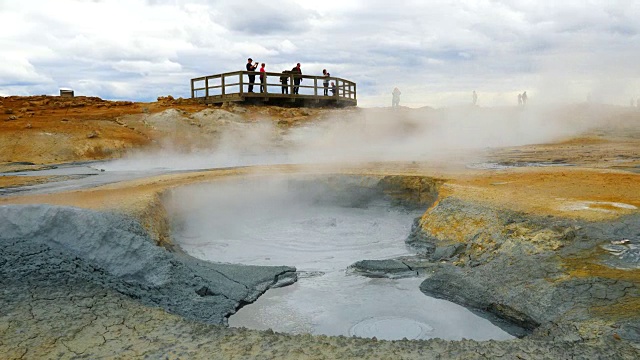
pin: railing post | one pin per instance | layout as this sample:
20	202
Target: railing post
192	92
241	85
290	84
206	87
355	93
264	82
315	86
222	83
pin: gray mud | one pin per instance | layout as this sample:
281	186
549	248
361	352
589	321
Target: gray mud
530	286
45	245
516	164
74	176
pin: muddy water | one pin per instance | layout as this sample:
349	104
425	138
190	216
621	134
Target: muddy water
272	222
74	176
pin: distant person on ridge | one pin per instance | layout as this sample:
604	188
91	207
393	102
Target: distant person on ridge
519	99
284	79
395	97
252	78
524	98
263	77
325	82
475	98
297	78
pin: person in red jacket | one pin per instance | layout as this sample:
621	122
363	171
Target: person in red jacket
263	78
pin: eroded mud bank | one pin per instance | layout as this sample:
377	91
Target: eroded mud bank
556	277
50	245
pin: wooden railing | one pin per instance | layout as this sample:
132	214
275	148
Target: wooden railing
234	84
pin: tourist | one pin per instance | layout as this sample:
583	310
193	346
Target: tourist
474	98
284	79
252	77
519	99
524	98
334	88
325	82
263	77
395	97
297	78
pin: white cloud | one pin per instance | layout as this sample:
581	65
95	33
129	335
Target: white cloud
287	46
144	67
436	51
16	68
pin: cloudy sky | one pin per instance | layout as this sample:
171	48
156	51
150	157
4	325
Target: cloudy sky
435	51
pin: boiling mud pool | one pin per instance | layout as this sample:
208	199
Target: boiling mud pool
321	233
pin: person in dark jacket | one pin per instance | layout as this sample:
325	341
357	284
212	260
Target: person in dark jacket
297	78
284	79
252	78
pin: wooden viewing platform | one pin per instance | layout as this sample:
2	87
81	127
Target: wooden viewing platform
233	86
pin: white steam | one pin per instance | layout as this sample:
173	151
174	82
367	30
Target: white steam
373	135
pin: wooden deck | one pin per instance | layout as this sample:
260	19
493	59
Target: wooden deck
234	86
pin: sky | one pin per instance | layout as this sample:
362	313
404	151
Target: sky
436	52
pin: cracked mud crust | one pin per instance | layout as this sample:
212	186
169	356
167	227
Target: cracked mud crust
82	321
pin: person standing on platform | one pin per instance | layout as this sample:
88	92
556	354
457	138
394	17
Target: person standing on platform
475	98
252	78
325	81
284	79
395	99
263	78
297	78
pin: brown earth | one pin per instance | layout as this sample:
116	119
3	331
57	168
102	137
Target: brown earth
51	130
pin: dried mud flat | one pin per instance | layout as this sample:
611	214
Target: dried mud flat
551	248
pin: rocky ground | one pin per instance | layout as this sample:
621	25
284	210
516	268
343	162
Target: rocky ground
544	236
